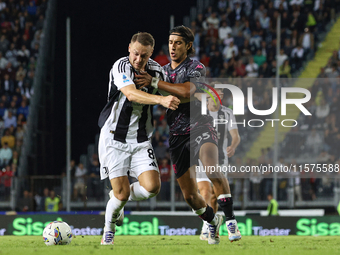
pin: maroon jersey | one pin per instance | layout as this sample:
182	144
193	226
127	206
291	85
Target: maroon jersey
180	121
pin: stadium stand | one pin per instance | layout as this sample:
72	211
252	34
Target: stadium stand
236	40
313	141
21	31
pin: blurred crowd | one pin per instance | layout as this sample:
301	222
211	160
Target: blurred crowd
233	39
237	39
21	23
48	201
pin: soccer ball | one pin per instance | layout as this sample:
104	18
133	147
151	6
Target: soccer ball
57	233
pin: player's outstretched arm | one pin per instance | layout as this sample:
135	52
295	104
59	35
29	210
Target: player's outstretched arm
141	97
183	90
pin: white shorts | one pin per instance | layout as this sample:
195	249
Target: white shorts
117	158
201	176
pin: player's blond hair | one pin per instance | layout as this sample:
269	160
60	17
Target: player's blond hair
144	39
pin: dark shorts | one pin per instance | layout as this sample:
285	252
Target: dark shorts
184	149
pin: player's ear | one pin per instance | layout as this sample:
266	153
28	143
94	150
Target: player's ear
220	93
129	48
189	45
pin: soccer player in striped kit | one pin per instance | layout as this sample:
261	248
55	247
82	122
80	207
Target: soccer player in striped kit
226	124
126	128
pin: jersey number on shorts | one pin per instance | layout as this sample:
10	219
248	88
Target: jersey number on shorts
151	155
204	136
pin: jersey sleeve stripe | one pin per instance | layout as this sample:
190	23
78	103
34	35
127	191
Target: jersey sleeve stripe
122	65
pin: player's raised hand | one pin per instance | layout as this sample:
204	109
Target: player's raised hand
143	79
170	102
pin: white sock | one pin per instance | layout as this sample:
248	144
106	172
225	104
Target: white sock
223	196
201	211
137	192
113	207
214	221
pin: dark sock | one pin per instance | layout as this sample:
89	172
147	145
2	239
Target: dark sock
208	215
227	207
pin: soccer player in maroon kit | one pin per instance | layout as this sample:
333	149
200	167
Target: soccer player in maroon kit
187	124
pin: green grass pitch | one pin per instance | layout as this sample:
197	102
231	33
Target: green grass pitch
164	245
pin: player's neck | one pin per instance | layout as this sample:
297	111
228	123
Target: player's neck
140	69
214	108
176	63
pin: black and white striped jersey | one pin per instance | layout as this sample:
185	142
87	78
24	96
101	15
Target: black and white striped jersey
229	123
128	121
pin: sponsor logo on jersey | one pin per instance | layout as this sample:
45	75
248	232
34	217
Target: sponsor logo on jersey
125	78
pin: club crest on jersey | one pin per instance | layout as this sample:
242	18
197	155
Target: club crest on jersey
173	77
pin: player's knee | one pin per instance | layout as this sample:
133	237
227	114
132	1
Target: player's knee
205	193
122	194
153	188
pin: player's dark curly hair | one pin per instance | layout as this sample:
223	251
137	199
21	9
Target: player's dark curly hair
188	36
144	39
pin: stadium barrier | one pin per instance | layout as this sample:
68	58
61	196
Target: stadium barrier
92	224
97	200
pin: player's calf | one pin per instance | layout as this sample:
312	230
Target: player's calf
120	217
225	201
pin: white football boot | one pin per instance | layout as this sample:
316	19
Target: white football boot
108	237
205	231
233	231
214	237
